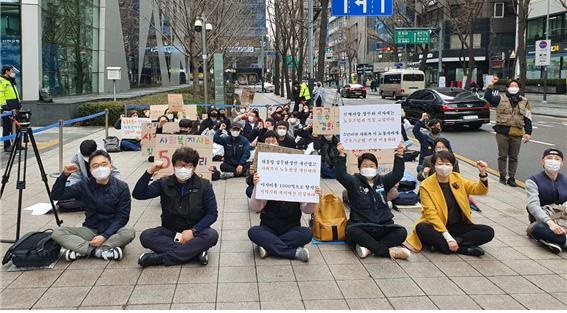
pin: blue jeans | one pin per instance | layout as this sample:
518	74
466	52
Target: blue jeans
543	232
126	145
284	245
327	172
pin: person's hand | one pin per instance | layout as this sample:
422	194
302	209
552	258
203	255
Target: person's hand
318	191
453	245
556	229
401	148
97	241
256	179
527	138
495	80
424	116
186	236
341	149
239	169
70	169
222	126
481	165
158	165
426	171
252	171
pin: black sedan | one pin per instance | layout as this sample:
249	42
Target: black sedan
454	106
353	90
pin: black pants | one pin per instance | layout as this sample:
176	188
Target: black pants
466	235
376	239
318	102
225	167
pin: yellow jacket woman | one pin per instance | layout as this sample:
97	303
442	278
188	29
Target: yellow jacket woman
446	222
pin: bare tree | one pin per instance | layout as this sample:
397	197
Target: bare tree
521	9
323	23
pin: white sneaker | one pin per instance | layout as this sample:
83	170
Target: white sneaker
399	253
361	251
112	254
302	254
71	255
262	253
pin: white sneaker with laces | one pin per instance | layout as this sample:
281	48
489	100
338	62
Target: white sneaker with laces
399	253
71	255
361	251
112	254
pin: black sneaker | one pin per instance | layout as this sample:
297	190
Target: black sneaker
503	180
551	246
150	259
472	250
512	182
204	257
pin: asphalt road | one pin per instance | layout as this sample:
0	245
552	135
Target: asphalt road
481	145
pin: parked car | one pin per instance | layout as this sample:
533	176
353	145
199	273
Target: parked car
353	90
267	86
454	106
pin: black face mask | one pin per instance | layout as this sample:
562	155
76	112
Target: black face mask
435	130
214	115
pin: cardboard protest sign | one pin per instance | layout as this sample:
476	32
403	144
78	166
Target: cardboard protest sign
326	121
370	126
157	110
190	112
131	127
148	142
279	177
167	144
175	102
262	147
385	160
247	96
170	128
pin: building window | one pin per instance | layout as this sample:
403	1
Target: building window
10	33
498	10
455	42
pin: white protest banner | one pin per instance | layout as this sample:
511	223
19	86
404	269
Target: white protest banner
167	144
157	110
279	175
375	126
148	142
326	121
131	127
175	102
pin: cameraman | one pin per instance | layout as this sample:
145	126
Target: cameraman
9	100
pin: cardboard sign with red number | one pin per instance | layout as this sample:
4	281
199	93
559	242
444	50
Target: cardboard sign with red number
175	102
167	144
148	138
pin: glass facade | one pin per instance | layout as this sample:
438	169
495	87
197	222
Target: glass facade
558	37
70	35
10	32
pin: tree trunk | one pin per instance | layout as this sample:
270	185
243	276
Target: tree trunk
195	71
471	62
423	61
286	75
276	78
322	40
521	53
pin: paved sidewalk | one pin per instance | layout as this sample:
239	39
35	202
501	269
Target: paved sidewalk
516	273
132	93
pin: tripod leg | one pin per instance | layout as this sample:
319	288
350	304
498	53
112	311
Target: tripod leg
10	163
21	182
43	176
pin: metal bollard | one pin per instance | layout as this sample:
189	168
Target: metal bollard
61	124
106	113
125	110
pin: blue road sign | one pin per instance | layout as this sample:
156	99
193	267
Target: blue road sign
362	7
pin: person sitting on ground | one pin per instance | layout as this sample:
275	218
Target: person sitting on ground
426	140
161	121
107	200
326	147
303	113
223	118
236	152
270	138
446	221
250	124
294	125
371	228
269	124
284	139
118	123
189	208
440	144
549	187
185	126
278	114
280	232
128	144
81	159
211	123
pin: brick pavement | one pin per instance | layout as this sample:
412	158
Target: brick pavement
515	273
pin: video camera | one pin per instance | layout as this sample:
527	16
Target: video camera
23	117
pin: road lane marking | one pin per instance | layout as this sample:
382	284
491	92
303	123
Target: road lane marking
536	141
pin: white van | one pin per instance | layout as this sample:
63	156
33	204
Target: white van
401	83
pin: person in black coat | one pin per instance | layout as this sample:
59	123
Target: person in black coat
326	147
284	139
212	121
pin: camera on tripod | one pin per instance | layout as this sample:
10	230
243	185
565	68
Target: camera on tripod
23	117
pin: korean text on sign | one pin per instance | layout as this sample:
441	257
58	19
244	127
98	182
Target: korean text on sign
288	177
167	144
131	127
371	126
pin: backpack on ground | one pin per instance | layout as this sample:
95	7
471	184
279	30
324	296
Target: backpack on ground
112	144
330	219
406	198
71	205
34	249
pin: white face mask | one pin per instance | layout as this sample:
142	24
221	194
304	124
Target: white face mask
234	133
251	119
292	120
513	90
443	170
368	172
281	132
170	117
183	174
552	165
101	173
270	127
12	75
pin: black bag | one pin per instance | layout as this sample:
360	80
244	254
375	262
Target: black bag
71	205
406	198
34	249
406	185
112	144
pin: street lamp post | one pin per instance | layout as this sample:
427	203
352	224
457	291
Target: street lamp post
199	23
310	42
545	67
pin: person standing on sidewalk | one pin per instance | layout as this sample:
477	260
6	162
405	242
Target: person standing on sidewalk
189	208
319	95
9	100
546	189
513	123
108	204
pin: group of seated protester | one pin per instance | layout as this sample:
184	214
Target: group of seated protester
189	207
